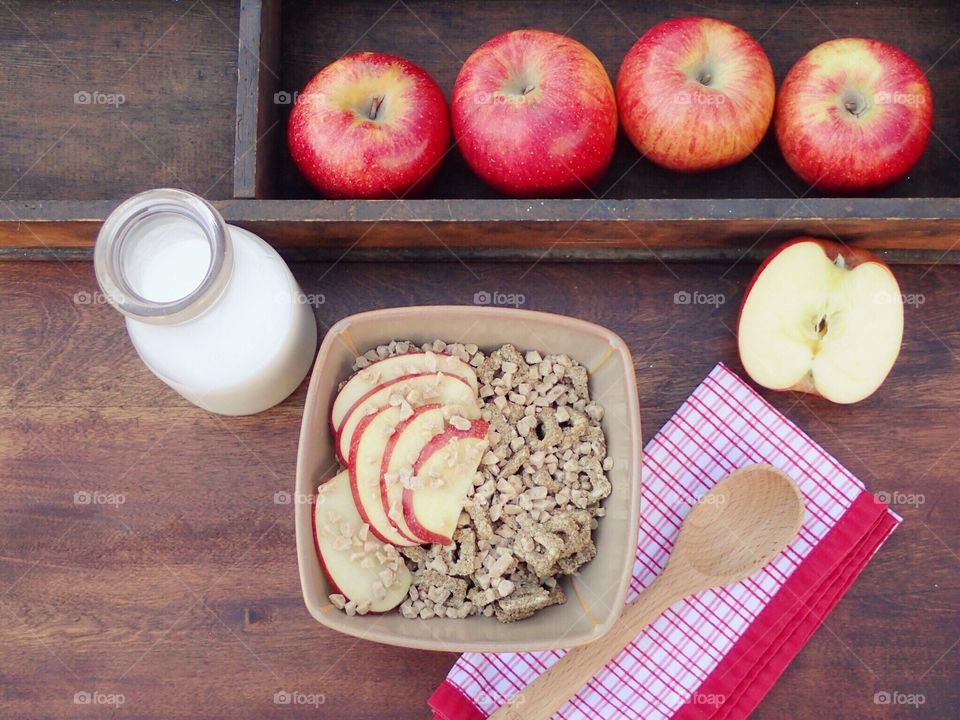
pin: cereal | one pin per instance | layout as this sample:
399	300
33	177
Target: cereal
537	495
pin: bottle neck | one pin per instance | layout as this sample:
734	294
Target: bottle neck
163	256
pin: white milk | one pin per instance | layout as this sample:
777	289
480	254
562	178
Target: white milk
245	353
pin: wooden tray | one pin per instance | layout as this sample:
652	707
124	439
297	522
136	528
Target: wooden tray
180	110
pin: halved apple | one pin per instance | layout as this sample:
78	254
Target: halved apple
821	318
363	465
403	449
359	568
444	474
428	387
393	367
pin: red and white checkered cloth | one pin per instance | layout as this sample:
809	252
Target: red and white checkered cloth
714	655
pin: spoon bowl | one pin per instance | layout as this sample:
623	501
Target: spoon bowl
740	525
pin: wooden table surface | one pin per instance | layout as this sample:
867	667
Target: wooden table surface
143	555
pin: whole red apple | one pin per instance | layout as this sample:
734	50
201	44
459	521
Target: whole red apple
823	318
534	114
371	126
695	94
853	115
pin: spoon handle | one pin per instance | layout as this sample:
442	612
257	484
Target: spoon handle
544	696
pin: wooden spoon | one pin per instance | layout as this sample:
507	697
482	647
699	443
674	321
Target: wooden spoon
733	531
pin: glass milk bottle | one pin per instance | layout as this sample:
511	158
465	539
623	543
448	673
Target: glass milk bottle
211	309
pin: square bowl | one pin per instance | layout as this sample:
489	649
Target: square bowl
596	594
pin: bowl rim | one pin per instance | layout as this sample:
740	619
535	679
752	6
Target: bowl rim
310	422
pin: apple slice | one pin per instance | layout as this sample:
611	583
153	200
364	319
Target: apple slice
401	454
444	473
821	318
364	462
448	390
349	557
393	367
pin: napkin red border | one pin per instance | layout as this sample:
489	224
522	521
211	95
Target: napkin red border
748	672
779	632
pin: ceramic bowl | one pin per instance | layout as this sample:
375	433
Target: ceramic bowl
596	594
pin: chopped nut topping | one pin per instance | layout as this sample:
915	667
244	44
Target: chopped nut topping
460	423
338	601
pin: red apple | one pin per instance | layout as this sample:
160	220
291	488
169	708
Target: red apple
403	449
447	466
450	390
363	469
357	573
369	125
695	94
534	114
822	318
853	115
369	378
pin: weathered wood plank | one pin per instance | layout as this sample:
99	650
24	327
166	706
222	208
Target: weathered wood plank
258	132
191	583
917	230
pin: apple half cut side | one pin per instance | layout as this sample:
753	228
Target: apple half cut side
367	379
363	466
403	450
351	564
445	471
821	318
448	390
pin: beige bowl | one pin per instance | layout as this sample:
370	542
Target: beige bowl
596	596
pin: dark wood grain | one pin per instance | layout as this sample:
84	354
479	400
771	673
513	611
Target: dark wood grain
185	598
259	132
175	64
441	35
918	230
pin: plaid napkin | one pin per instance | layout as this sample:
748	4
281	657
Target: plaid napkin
714	655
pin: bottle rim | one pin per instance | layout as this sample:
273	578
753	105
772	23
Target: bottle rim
120	226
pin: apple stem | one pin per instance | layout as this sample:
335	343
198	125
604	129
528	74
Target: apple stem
855	104
704	77
375	107
528	89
